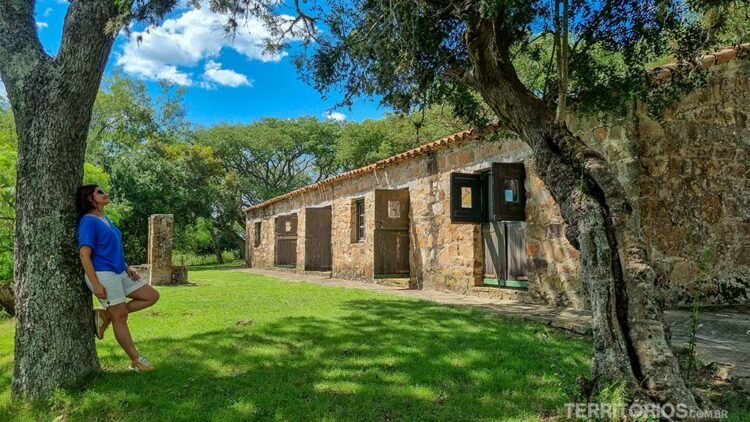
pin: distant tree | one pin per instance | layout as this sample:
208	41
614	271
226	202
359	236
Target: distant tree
360	144
265	159
273	156
145	142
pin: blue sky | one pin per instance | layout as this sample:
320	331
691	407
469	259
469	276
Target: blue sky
227	81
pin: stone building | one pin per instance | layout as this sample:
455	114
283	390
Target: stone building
467	213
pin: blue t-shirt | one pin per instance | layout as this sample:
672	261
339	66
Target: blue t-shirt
105	242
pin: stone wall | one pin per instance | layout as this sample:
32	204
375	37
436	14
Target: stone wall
689	178
695	191
444	255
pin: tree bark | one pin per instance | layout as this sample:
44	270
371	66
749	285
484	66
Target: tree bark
217	249
7	298
630	345
52	99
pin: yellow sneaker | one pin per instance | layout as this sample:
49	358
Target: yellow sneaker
141	365
102	322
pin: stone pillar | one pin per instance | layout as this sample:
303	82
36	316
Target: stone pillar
160	248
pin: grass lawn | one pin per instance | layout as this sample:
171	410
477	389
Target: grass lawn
312	352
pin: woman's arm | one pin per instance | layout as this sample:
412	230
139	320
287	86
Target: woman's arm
88	268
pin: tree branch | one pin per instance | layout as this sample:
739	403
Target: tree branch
20	48
88	35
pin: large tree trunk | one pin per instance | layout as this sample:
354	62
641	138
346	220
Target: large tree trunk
52	101
630	345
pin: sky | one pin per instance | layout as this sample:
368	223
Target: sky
227	80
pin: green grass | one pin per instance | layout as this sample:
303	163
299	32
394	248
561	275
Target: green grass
315	353
191	259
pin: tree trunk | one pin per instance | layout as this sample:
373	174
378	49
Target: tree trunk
630	345
217	249
52	101
7	298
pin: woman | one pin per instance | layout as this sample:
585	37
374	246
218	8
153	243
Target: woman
107	275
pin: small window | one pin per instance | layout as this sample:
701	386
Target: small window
358	220
508	196
257	234
466	198
510	190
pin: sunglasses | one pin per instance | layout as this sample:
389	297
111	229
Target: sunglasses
100	192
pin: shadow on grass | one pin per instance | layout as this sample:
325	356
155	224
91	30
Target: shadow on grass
396	360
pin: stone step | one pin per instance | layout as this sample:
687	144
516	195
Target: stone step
392	282
501	293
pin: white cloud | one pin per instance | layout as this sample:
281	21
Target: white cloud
48	11
335	116
63	1
185	41
42	25
214	72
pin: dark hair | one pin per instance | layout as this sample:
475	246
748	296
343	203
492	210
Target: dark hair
83	199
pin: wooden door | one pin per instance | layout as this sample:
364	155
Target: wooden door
517	251
493	237
506	261
392	233
286	240
318	239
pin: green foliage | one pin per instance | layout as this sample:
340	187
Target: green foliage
273	156
303	351
414	53
192	260
363	143
174	179
143	144
8	156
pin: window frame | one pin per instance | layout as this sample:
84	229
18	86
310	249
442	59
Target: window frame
475	183
508	210
257	232
360	212
357	226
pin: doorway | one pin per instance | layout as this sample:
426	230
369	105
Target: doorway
506	261
392	233
286	241
318	255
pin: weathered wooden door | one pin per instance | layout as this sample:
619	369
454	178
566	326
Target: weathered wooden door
493	237
286	240
517	251
392	233
318	239
506	261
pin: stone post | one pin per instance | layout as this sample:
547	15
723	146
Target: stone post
160	248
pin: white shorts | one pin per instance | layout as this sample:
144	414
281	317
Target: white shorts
118	286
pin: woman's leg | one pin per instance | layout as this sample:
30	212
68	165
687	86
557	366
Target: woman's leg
118	315
142	298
